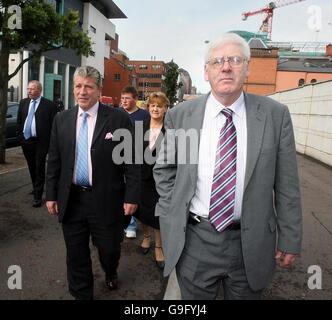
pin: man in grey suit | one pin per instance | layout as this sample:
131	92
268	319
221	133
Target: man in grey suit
229	205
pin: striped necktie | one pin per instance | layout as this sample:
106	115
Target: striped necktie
221	212
82	169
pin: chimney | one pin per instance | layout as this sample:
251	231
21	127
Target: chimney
329	50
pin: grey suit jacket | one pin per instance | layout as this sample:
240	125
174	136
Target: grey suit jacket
271	210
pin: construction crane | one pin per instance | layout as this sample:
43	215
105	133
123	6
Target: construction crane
266	26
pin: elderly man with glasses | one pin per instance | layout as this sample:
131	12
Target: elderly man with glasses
232	209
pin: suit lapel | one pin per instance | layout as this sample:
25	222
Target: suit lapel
255	129
100	123
39	106
195	118
26	109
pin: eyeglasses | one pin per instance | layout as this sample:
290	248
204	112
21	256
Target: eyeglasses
234	61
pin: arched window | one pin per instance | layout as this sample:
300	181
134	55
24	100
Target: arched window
313	81
301	82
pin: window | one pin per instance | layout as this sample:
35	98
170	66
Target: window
313	81
49	66
33	73
57	4
301	82
117	77
62	72
150	75
142	66
149	84
155	85
71	99
156	66
93	29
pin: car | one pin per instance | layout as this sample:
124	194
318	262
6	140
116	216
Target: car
11	123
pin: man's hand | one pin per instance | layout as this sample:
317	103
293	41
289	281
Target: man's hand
52	207
129	208
284	259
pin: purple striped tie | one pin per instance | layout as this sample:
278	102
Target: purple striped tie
222	201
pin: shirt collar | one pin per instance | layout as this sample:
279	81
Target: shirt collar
92	112
237	107
37	100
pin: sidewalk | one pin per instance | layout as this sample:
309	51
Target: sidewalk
14	160
27	236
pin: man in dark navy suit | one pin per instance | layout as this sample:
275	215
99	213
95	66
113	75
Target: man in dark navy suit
86	187
34	119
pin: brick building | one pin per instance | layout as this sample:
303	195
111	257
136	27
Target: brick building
297	70
262	68
117	75
281	66
150	76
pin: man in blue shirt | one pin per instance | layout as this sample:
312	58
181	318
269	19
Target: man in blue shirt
129	98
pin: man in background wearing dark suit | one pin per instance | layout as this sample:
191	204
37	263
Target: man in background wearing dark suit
86	187
34	121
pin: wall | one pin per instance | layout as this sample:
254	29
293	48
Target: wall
14	61
103	29
311	110
149	79
290	79
112	86
262	72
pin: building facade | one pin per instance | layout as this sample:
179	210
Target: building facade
117	76
55	69
150	76
186	84
279	66
262	71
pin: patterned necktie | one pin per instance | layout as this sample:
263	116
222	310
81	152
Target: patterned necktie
82	170
27	129
221	212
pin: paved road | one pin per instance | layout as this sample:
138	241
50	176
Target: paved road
33	240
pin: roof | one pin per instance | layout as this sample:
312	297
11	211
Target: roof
257	43
249	35
108	8
316	65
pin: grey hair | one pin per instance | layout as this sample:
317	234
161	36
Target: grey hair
229	38
37	84
88	72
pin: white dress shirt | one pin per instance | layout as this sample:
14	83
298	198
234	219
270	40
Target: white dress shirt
33	124
213	122
91	122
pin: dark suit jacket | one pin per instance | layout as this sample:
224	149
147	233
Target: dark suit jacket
147	168
113	184
44	118
149	196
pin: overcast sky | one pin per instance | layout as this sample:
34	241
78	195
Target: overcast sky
178	29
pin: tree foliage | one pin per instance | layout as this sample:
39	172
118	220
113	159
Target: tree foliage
171	81
42	29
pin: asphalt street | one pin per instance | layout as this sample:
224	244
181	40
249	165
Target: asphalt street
32	240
